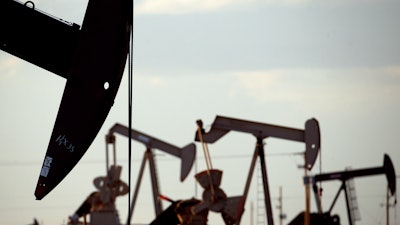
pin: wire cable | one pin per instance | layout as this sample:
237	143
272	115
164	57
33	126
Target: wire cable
130	100
208	160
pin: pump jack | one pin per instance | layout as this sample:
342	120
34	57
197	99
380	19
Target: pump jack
101	204
310	136
187	154
343	176
91	57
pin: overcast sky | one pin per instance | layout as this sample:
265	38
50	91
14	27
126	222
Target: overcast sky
279	62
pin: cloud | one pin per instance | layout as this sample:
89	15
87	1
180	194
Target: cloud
311	89
374	88
153	81
8	66
180	6
195	6
173	7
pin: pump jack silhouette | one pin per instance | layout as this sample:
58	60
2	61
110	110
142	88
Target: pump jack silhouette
90	57
310	136
325	218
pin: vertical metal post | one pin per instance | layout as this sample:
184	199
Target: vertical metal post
387	205
249	178
107	143
280	206
195	183
346	194
307	190
154	183
317	198
136	192
250	175
267	197
114	152
110	140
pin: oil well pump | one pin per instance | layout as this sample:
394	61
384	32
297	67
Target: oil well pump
222	125
186	154
325	218
90	57
195	211
100	205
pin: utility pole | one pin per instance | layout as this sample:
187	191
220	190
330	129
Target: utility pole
387	206
307	193
280	206
251	213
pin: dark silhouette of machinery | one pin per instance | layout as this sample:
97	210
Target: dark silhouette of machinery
325	218
35	222
195	212
187	155
100	205
317	219
92	58
222	125
180	212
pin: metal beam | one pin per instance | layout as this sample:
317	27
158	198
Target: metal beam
310	135
187	154
387	169
38	38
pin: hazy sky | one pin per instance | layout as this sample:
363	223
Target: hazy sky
274	61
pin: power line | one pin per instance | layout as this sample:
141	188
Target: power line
217	157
